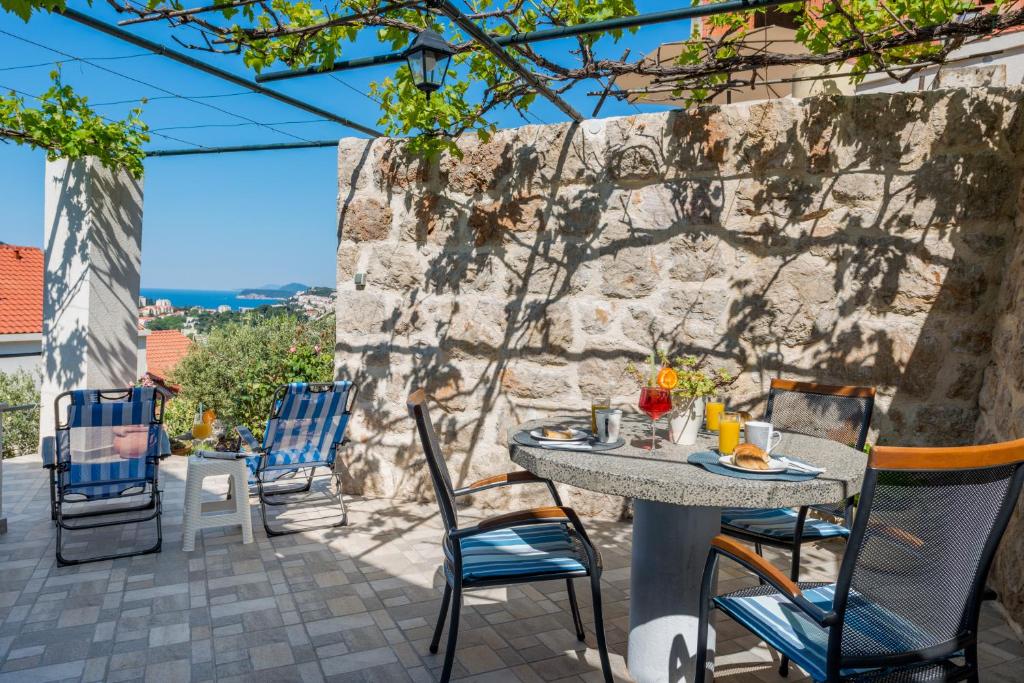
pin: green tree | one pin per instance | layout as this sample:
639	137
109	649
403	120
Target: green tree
167	322
236	369
21	429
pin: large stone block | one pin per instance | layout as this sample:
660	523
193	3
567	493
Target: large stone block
361	312
396	168
431	218
497	221
363	219
483	166
630	272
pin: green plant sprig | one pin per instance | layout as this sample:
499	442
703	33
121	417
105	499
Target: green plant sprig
695	380
67	128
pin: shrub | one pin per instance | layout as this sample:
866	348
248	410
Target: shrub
237	368
21	429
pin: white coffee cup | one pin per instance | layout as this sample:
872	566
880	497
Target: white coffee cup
609	424
763	435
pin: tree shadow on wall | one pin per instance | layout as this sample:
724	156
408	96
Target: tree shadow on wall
861	244
110	266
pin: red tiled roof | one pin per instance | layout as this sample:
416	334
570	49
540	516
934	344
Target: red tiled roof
164	349
21	290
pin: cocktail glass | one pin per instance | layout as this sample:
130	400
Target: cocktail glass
655	402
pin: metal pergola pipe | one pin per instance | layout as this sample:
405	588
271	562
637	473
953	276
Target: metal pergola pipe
489	44
619	23
159	49
241	148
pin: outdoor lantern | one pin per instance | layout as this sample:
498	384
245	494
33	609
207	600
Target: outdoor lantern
428	59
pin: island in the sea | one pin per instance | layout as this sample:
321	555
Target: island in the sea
273	291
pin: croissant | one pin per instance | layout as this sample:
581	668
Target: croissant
750	457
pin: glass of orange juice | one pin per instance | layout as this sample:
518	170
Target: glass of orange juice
713	412
201	429
728	433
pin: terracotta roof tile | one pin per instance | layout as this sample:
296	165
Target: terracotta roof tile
21	290
164	349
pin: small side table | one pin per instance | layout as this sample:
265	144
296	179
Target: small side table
234	510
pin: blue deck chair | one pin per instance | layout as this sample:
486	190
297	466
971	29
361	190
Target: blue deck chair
306	426
103	462
906	602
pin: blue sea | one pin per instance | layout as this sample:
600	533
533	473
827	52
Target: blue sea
206	298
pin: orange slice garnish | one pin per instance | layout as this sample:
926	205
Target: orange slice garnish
667	378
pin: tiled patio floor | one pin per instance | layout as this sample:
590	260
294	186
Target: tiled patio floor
350	604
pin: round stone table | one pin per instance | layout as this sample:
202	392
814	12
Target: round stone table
676	513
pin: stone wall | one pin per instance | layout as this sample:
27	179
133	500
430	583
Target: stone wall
1001	417
839	239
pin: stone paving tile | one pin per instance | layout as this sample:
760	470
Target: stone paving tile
351	604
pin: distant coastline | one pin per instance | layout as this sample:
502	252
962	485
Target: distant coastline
207	298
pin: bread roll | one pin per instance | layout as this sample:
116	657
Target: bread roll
749	456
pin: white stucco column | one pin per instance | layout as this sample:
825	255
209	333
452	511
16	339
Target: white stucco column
93	233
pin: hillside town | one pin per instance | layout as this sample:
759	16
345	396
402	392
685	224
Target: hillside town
165	331
162	314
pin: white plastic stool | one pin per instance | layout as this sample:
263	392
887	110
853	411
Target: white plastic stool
234	510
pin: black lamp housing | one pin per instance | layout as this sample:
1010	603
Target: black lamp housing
428	58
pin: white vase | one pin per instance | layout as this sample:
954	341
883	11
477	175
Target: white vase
685	421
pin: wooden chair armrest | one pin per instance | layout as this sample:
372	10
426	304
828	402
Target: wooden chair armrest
506	479
757	564
522	517
770	573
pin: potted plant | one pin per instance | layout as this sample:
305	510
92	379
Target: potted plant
690	382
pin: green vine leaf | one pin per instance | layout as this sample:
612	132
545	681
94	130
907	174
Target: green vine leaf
66	127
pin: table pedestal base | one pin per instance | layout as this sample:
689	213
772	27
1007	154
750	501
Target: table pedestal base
670	547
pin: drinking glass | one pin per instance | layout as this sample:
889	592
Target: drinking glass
596	405
713	412
201	429
729	433
655	402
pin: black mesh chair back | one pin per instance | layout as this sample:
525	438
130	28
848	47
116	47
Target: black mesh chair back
837	413
913	576
417	405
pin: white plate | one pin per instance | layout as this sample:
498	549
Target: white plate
577	435
774	466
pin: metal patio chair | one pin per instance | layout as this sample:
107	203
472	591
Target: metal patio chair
837	413
905	605
541	544
306	427
104	461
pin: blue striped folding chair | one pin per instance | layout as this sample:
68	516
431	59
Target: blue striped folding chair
906	602
103	462
306	427
542	544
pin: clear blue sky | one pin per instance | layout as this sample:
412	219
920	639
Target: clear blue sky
232	220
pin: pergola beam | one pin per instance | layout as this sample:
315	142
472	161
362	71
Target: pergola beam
159	49
617	24
274	146
488	43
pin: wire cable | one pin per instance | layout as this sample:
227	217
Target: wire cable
64	61
356	90
155	87
234	125
172	97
